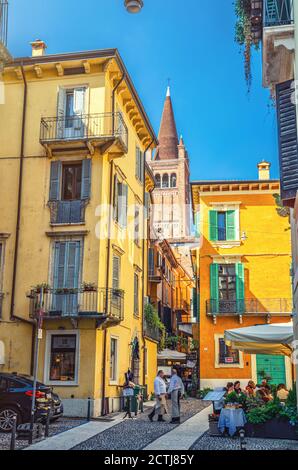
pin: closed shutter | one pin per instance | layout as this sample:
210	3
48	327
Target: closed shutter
231	225
115	199
123	203
213	228
240	287
195	304
79	101
287	133
86	179
151	261
214	291
116	272
55	180
61	112
136	294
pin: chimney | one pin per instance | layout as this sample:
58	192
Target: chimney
38	48
264	170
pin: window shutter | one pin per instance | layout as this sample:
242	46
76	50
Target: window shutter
60	112
136	294
214	291
55	178
240	287
147	206
197	224
86	179
213	228
195	301
124	205
151	261
79	101
116	272
115	201
137	162
72	272
287	133
231	225
142	164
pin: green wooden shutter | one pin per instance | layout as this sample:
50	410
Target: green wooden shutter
86	179
214	291
196	303
197	224
231	225
213	228
240	287
55	178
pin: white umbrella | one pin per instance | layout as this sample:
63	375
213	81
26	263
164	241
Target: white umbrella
272	339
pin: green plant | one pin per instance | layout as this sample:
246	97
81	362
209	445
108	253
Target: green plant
243	35
88	286
46	287
153	320
202	393
237	398
261	414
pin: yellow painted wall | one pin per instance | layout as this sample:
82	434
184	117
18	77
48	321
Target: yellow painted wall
267	262
35	246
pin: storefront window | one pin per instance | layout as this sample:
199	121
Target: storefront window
227	355
63	358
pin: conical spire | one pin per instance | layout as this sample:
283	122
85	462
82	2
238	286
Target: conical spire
168	137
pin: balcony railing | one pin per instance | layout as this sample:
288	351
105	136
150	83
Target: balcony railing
79	303
278	12
154	274
67	212
3	21
88	127
151	332
277	307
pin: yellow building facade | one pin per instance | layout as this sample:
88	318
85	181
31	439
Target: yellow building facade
73	134
243	264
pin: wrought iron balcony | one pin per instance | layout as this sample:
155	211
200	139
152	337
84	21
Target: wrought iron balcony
3	21
67	212
105	305
106	131
154	275
151	332
252	307
278	12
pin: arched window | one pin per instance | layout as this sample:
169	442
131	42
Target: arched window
157	181
173	180
165	181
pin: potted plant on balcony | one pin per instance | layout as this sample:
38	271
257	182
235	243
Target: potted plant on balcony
39	287
89	287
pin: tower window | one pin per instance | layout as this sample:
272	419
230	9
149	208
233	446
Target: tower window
157	181
165	181
173	180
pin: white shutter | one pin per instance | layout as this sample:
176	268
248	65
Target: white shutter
79	101
61	112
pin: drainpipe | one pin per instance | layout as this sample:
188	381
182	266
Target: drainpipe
143	260
295	6
104	354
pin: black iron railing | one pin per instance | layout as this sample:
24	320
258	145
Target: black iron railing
3	21
85	126
151	331
64	302
278	12
281	307
67	212
183	306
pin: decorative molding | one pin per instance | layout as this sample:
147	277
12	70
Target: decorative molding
77	233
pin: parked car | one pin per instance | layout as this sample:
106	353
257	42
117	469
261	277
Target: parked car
16	393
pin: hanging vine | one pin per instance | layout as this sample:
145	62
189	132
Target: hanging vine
244	35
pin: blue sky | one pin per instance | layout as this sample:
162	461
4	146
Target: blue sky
226	131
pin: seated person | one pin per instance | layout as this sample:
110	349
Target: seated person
282	392
265	392
230	387
250	389
237	387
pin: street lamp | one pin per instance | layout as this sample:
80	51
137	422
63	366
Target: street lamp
134	6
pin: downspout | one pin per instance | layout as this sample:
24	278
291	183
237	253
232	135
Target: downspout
104	354
16	249
143	260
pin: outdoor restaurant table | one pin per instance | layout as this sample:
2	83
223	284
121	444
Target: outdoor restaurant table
231	418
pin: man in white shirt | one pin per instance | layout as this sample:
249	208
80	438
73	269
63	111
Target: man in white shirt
160	392
176	389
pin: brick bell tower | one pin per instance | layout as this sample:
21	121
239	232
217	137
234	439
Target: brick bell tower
170	165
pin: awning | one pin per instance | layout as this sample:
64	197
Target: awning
274	339
168	354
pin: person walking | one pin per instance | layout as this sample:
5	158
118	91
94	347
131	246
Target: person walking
176	389
160	392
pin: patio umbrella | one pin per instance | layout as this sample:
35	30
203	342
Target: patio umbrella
274	339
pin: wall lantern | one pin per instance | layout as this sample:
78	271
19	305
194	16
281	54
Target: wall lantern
134	6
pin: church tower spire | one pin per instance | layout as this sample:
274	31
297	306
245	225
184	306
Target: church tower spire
168	136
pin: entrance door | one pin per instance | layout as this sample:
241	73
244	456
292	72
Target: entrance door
273	366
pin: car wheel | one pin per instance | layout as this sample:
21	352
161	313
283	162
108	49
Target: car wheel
6	418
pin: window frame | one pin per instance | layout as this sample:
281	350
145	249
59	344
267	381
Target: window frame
115	379
75	165
47	360
219	365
